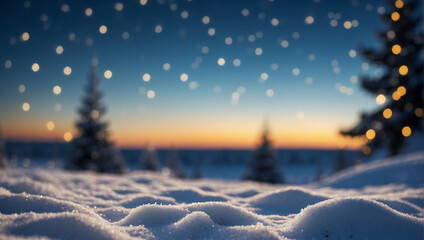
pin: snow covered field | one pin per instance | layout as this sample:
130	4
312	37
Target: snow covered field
381	200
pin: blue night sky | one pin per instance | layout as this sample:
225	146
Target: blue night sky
296	69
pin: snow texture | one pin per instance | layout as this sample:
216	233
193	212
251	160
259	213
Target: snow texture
381	200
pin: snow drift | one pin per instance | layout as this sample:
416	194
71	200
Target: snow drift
382	200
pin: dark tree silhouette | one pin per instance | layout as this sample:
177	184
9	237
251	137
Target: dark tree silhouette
263	167
149	160
340	162
197	170
400	88
3	159
91	149
173	165
319	174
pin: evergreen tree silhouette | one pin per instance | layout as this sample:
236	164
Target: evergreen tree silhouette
319	174
3	159
173	165
197	170
400	88
263	167
149	160
91	149
340	162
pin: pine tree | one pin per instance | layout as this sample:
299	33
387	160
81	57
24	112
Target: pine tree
173	165
399	89
3	159
319	175
91	149
197	171
149	160
340	162
263	167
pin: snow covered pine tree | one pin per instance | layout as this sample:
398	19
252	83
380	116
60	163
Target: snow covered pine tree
399	89
173	165
91	150
263	167
149	160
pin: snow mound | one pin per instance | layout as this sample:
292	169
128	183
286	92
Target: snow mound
193	195
63	225
354	218
406	170
196	225
285	201
153	215
146	199
20	203
225	214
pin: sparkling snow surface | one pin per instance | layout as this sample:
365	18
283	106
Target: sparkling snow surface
382	200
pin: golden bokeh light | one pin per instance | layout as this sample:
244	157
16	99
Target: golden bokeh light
143	2
88	12
59	49
221	62
309	20
184	77
95	114
103	29
387	113
370	134
270	92
35	67
119	6
25	36
67	136
211	31
406	131
399	3
146	77
21	88
108	74
151	94
366	150
380	99
347	25
419	112
401	90
50	125
67	70
206	20
403	70
26	107
395	16
57	90
396	95
396	49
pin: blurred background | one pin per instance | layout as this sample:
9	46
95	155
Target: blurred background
211	83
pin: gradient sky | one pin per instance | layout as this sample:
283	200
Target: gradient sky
310	92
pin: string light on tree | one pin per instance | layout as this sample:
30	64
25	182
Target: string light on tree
387	113
396	49
403	70
370	134
406	131
395	16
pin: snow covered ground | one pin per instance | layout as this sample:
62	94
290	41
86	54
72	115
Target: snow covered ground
381	200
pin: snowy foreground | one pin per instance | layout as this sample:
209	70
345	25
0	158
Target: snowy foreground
382	200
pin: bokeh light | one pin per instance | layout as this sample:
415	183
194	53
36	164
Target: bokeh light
108	74
67	136
406	131
35	67
370	134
